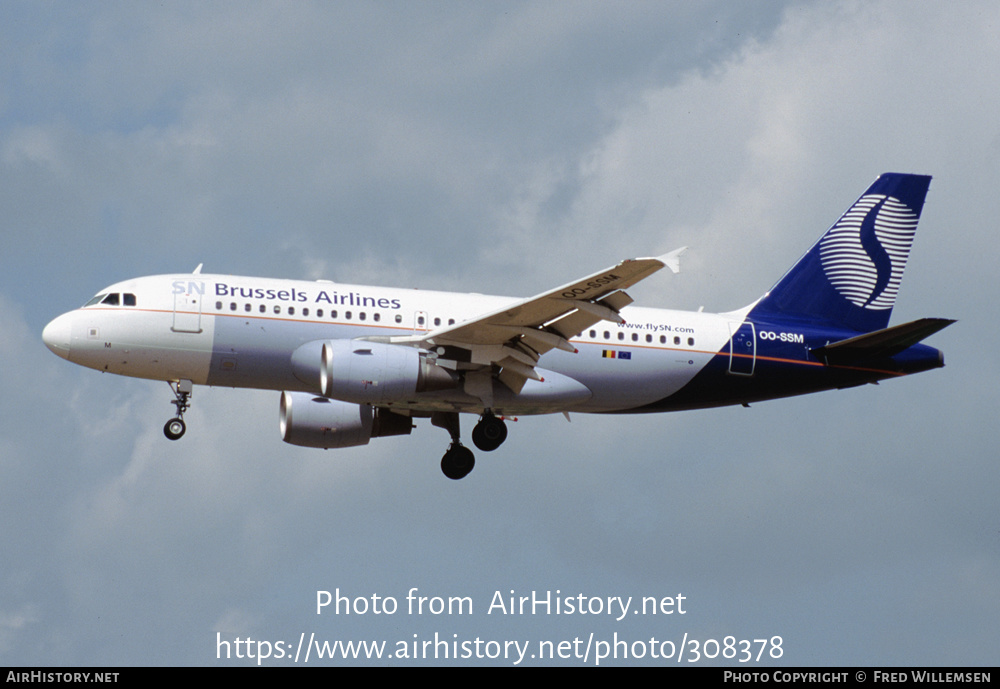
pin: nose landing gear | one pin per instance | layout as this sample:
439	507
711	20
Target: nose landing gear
175	427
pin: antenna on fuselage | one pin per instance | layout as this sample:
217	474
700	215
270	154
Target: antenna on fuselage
197	271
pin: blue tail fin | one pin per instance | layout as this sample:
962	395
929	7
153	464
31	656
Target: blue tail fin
851	276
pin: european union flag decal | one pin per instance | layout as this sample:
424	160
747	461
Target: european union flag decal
624	355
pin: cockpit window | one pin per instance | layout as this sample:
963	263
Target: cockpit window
113	299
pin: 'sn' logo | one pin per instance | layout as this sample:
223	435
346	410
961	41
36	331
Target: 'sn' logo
865	253
188	287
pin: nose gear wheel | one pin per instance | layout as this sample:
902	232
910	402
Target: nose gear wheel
175	427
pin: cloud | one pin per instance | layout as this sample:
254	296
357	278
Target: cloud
730	162
502	150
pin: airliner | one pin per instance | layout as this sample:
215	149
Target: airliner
355	362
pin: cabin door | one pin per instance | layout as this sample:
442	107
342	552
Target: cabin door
742	348
187	313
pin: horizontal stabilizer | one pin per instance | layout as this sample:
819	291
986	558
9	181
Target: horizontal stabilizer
881	343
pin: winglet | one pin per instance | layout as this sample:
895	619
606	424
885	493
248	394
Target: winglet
673	259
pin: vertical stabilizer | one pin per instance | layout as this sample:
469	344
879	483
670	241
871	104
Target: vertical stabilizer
851	276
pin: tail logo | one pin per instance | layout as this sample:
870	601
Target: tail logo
864	254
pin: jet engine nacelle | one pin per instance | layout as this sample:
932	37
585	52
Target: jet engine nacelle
366	372
313	421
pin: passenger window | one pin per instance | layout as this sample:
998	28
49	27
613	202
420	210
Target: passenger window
305	312
319	313
691	342
677	340
649	338
607	335
663	339
291	310
451	321
437	321
263	308
232	306
635	337
277	309
247	307
347	315
377	317
218	306
333	314
593	334
361	316
621	336
399	319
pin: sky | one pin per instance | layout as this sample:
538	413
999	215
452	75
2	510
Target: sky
503	148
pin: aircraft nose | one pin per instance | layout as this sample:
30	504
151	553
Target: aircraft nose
56	335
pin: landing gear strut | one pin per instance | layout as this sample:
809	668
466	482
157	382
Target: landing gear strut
175	427
489	433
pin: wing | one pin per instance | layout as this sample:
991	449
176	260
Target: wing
514	337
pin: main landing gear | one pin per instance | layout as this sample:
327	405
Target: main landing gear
488	435
175	427
458	461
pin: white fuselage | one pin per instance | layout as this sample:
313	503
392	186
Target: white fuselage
241	332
